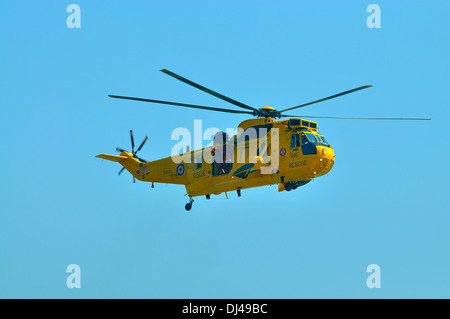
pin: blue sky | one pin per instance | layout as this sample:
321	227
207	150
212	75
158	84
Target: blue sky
385	202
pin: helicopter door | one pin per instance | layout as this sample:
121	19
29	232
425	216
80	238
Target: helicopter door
308	147
295	140
224	166
225	163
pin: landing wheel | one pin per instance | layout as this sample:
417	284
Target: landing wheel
188	206
288	186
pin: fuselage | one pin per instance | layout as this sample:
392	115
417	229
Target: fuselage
251	158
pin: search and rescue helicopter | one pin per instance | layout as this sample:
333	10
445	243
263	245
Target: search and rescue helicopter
288	152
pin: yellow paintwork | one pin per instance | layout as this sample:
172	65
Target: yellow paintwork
294	166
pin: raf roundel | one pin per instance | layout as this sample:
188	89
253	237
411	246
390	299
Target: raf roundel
283	152
180	169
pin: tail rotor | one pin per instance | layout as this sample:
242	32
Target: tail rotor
118	149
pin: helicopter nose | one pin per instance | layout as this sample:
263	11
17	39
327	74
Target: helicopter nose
326	160
328	154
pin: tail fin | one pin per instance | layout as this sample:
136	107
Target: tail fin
126	160
112	158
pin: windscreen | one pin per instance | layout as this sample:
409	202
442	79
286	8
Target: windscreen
317	139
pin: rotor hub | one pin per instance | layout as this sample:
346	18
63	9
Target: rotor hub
267	112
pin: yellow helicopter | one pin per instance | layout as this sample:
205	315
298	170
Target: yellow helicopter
289	152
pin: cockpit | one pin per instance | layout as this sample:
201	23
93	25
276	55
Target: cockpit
302	138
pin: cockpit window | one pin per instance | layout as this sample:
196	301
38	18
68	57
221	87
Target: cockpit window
312	138
304	139
324	140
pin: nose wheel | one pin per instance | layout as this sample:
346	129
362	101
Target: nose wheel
289	186
188	206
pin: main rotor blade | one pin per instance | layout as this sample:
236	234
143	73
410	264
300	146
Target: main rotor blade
327	98
206	90
132	141
359	118
209	108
